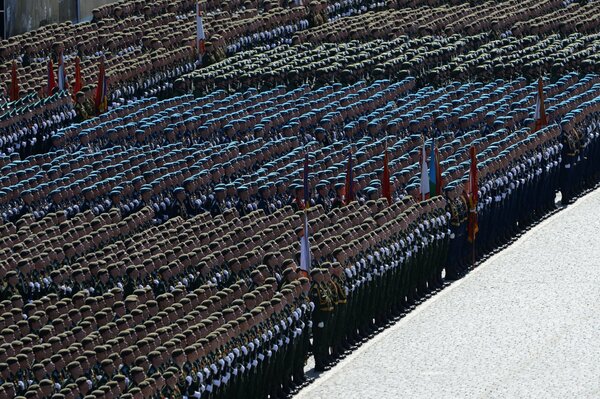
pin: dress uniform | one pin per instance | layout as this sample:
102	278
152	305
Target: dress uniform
570	156
339	341
171	389
321	296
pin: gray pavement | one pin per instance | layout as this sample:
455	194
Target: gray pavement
524	324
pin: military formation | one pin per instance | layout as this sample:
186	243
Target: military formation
29	124
153	251
433	45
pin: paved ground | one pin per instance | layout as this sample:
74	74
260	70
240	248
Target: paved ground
525	324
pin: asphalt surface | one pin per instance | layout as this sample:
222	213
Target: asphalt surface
524	324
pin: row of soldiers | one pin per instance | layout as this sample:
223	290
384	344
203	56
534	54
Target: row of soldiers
363	286
377	277
516	192
27	126
265	359
580	150
355	285
258	350
391	261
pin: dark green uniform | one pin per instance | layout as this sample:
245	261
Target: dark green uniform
320	295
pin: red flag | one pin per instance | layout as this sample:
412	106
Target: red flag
14	83
101	99
78	83
540	109
51	80
473	197
386	186
349	188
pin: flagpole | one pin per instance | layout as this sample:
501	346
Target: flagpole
387	184
473	197
306	253
470	214
350	169
389	177
424	187
349	180
474	241
473	254
423	162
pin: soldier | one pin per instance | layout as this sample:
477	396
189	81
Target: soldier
339	341
182	205
171	388
80	108
243	205
320	295
570	156
459	211
338	201
216	204
323	197
264	202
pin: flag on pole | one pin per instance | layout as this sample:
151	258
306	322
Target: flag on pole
305	258
200	36
14	83
306	188
540	109
349	187
78	83
424	175
51	80
473	197
101	99
386	188
439	185
62	74
435	173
